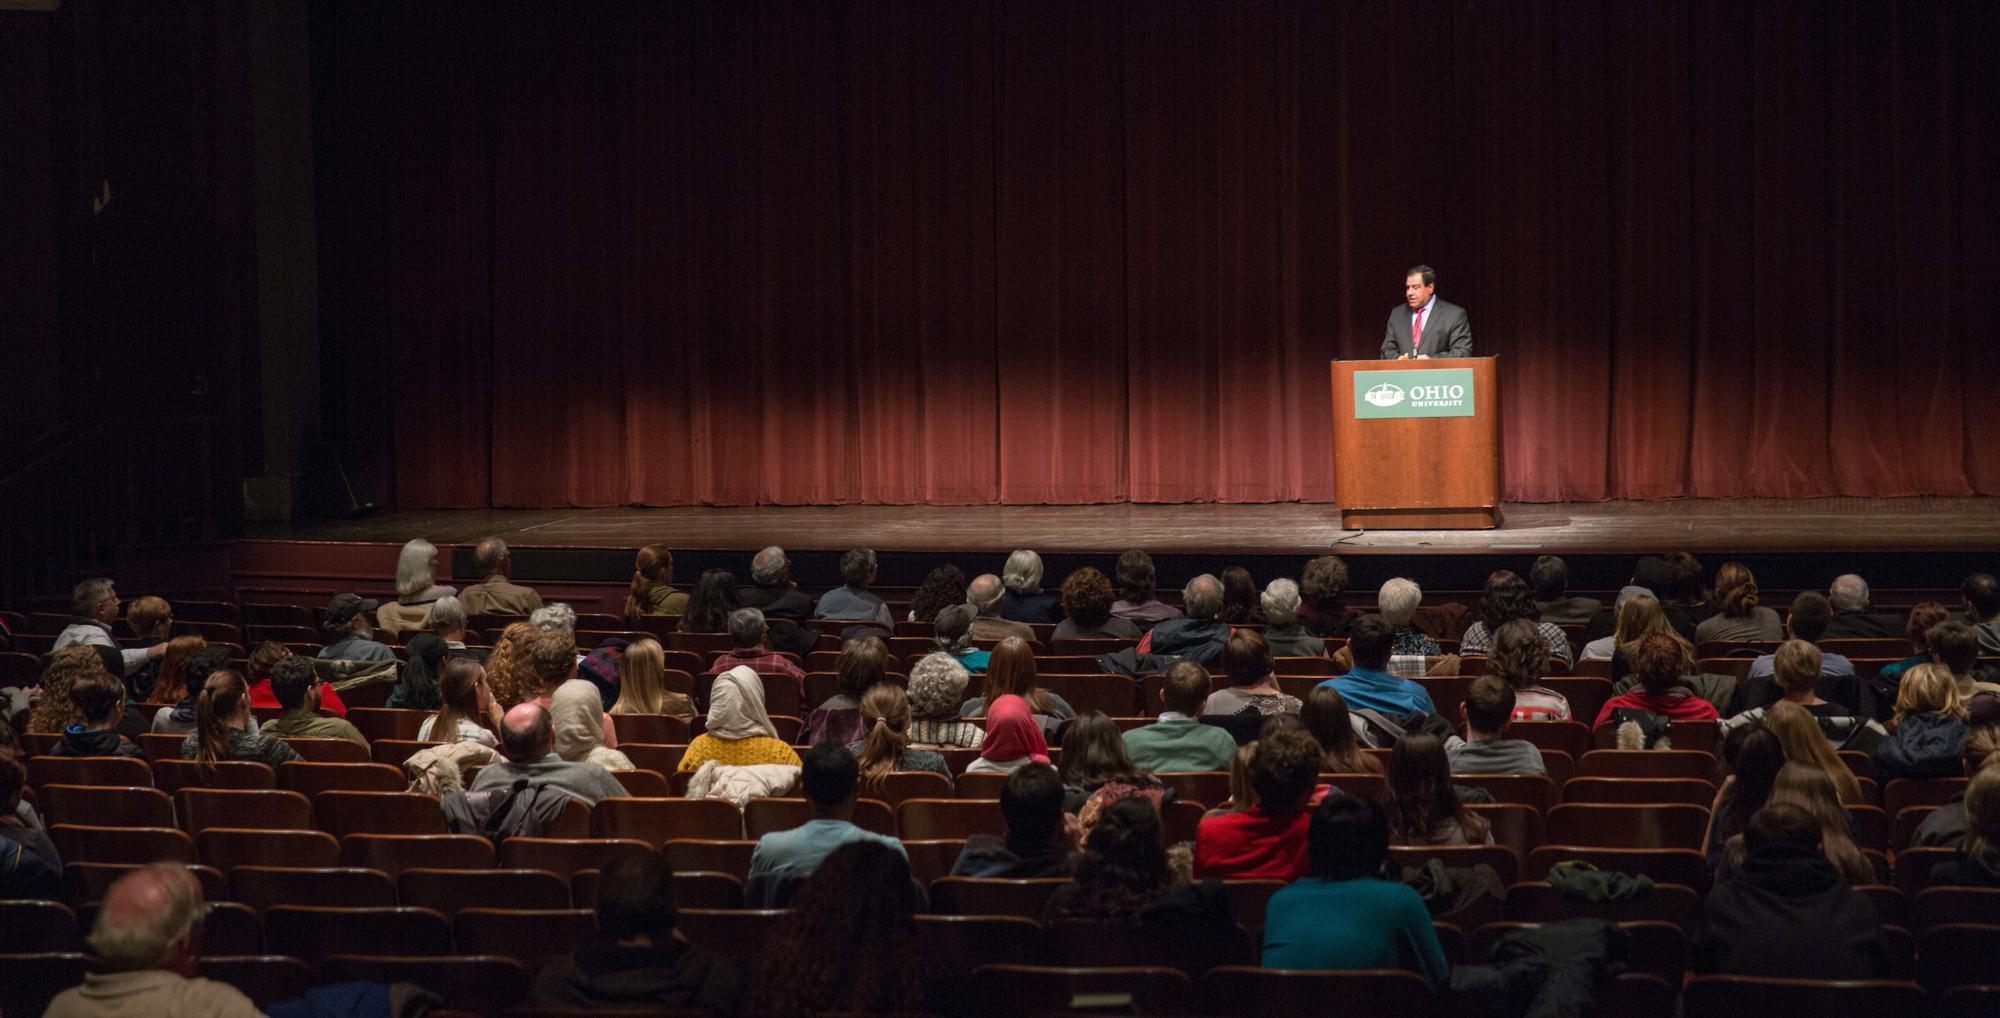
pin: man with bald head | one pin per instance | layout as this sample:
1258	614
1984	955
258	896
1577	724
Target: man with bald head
147	939
529	745
1200	636
497	594
985	593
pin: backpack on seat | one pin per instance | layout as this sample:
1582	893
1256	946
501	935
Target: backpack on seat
520	810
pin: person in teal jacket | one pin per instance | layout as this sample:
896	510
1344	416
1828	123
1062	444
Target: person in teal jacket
1345	916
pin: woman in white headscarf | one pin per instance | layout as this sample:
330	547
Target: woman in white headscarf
738	730
576	712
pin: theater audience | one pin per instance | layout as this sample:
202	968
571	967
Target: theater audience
784	859
942	588
1423	807
863	663
1094	765
1738	617
1520	658
99	701
1321	610
297	687
1382	924
1086	608
653	590
1368	684
1178	741
416	589
1657	578
1036	843
937	687
1982	609
1852	617
636	960
1488	709
1796	673
1754	756
1123	880
1926	616
738	732
1506	599
192	673
1927	733
1945	826
849	945
1287	636
642	683
1955	647
1239	598
853	600
1978	862
1024	600
709	609
1397	602
1265	841
1548	581
984	595
1136	601
1253	688
1011	672
468	712
1013	738
496	593
953	632
1327	720
747	634
1785	912
1660	662
1198	636
1807	621
348	636
884	744
222	728
93	606
528	746
147	943
576	713
54	710
417	687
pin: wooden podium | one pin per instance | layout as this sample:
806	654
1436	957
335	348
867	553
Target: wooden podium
1416	445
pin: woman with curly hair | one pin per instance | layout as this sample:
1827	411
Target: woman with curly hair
937	688
1123	879
1137	601
1086	603
1520	656
1661	663
1738	616
54	711
1507	598
1423	808
944	587
849	945
714	598
506	674
1320	608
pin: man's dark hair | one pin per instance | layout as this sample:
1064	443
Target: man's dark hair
1430	274
1781	823
828	773
856	566
1348	837
1811	614
1549	578
1489	704
1032	802
635	896
97	697
1369	640
1186	688
1135	576
202	663
290	679
1283	769
1982	595
1955	645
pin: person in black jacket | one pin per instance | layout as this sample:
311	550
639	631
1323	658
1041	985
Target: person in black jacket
636	961
1785	913
100	700
1036	844
1978	862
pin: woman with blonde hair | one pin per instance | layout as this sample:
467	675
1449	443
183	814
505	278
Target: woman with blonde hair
1738	616
1927	734
653	590
511	682
1798	732
1978	862
1810	789
642	683
416	589
885	746
576	712
1011	672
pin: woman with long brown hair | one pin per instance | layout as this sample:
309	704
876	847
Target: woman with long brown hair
1808	788
172	686
1093	756
222	722
652	591
1328	721
1422	806
885	743
468	712
1798	732
1011	672
1520	657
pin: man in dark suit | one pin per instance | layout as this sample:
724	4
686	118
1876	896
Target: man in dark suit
1426	327
1851	617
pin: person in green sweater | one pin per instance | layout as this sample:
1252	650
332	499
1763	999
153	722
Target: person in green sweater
1346	916
1179	741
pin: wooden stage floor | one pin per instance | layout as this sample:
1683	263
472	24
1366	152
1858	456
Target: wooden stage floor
1893	525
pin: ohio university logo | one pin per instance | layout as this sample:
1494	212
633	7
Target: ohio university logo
1385	394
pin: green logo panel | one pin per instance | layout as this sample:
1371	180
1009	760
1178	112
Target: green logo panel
1442	392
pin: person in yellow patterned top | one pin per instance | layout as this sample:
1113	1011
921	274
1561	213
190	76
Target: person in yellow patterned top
739	731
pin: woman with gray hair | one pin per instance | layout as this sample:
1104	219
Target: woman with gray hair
1025	601
937	688
1283	631
416	589
1398	602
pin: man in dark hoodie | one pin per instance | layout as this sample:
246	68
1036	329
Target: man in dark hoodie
100	699
1785	913
1032	802
636	961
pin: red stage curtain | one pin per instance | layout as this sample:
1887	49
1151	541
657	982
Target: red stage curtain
1034	251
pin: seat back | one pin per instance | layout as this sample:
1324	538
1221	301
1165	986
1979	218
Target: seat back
1539	902
564	856
482	984
734	933
1625	825
1960	954
315	933
955	945
950	819
1258	993
448	890
657	821
125	845
731	856
171	776
329	750
1687	791
529	936
342	813
1646	763
265	809
1748	997
310	779
394	853
226	848
106	805
261	887
118	771
377	723
265	978
1025	899
29	927
1665	865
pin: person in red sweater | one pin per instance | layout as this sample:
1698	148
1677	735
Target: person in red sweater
1660	662
1267	841
262	659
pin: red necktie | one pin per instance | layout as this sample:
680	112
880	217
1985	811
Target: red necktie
1416	331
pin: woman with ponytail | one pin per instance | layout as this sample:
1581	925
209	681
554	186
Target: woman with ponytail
418	689
885	742
653	590
222	722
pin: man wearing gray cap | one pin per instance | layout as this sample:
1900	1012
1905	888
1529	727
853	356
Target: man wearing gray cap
348	637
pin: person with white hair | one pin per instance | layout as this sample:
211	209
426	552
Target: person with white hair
449	620
984	594
1852	618
553	617
1283	631
1025	601
94	607
497	594
772	590
147	939
416	589
1397	602
1200	636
